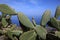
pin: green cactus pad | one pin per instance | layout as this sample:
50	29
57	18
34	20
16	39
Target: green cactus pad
16	32
4	22
33	37
55	23
58	22
45	17
9	34
30	35
41	31
6	9
25	21
57	13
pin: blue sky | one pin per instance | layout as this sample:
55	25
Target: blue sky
33	8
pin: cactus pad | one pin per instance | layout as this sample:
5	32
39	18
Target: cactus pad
45	17
25	21
30	35
41	31
57	13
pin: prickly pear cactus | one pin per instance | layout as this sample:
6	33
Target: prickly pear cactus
33	37
57	13
9	34
5	9
17	32
45	17
25	21
55	23
58	22
4	22
41	31
30	35
34	31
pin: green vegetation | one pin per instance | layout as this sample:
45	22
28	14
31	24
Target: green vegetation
28	30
